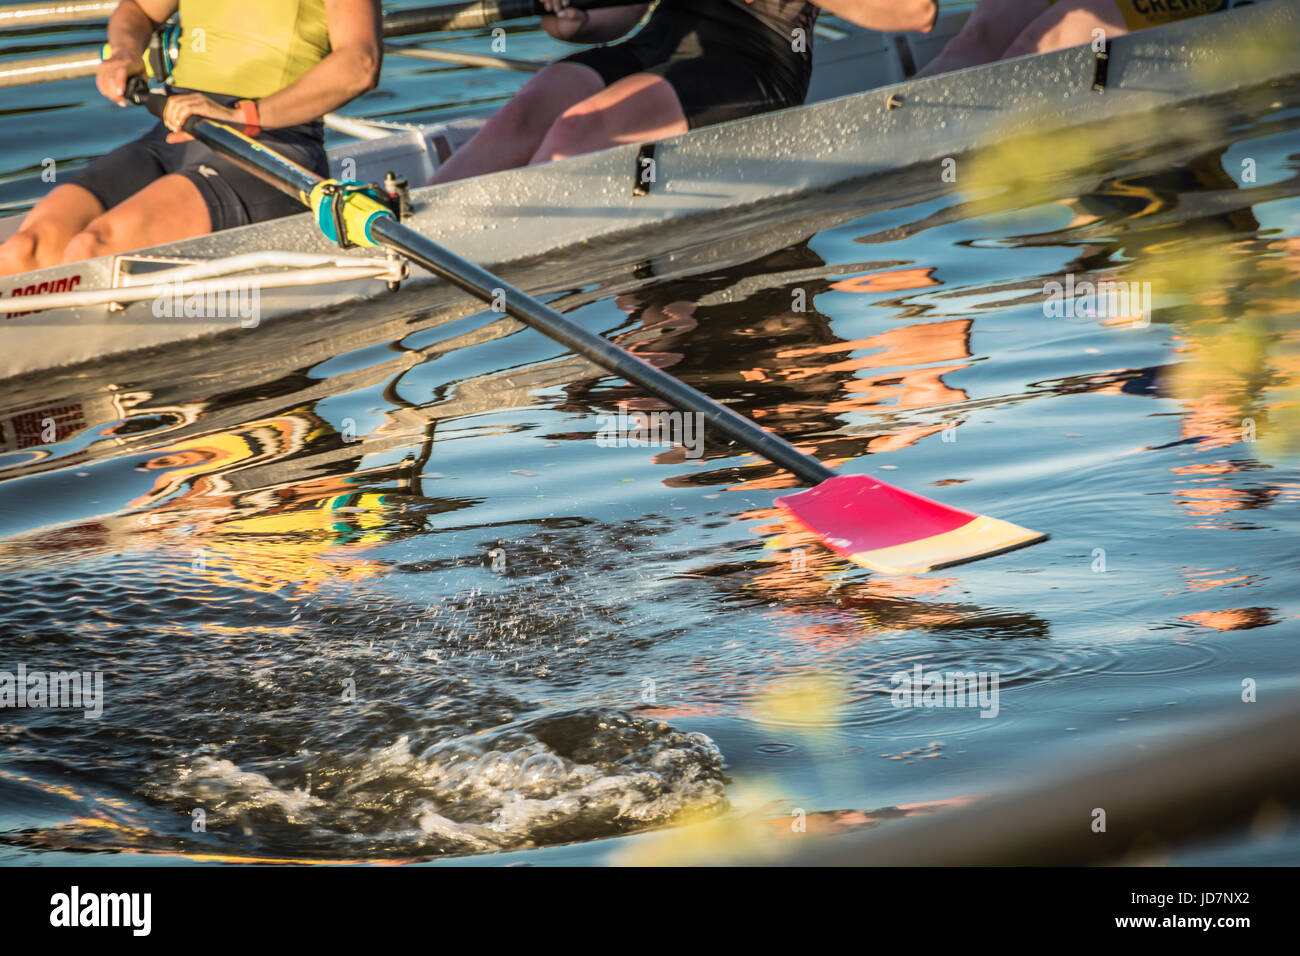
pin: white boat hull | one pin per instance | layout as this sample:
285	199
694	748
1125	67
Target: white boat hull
514	216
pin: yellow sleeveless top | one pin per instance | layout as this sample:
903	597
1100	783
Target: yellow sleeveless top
249	48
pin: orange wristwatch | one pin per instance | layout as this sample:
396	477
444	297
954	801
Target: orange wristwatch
252	119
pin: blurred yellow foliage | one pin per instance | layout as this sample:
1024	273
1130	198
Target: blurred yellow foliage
1239	346
1022	165
812	703
1262	54
739	836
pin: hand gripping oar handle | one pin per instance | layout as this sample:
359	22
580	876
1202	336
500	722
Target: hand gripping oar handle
138	92
266	164
385	230
473	15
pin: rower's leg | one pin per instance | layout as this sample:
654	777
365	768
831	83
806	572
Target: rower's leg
167	210
990	30
638	108
511	137
1069	23
47	229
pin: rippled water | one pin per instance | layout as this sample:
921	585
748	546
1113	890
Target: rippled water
364	585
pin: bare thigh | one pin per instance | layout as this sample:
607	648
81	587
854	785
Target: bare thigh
513	134
987	34
637	108
1069	23
167	210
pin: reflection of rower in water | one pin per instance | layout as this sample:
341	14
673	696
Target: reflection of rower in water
273	501
1175	190
1148	219
794	374
1234	372
693	63
1193	233
270	67
1001	29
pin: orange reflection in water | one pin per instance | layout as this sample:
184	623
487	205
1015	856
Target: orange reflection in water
779	819
897	280
237	507
1233	619
271	535
899	385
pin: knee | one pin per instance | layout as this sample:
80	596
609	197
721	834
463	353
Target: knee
521	110
529	113
1073	29
21	252
577	131
94	240
979	41
1036	41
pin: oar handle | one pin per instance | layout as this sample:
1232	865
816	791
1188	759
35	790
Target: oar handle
475	14
138	92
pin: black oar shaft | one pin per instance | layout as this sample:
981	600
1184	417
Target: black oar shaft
473	15
482	284
454	16
266	164
298	181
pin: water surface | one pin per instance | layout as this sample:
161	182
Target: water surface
364	586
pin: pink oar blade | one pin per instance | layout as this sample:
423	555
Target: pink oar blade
885	528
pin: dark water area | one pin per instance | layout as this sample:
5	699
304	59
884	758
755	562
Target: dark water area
365	585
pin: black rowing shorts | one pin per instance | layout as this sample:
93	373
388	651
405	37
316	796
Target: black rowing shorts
721	60
233	197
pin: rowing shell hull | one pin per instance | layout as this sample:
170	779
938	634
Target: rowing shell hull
512	217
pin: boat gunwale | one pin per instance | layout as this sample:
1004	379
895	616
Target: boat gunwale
1034	96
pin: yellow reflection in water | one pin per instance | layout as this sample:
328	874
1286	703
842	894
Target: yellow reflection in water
1239	374
1013	170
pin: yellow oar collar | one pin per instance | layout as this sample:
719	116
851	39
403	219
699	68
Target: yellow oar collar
346	210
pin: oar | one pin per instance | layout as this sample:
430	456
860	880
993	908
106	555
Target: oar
465	58
445	17
864	519
442	17
49	12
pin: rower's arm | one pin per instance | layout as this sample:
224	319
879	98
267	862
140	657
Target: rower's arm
350	69
129	30
134	22
889	16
